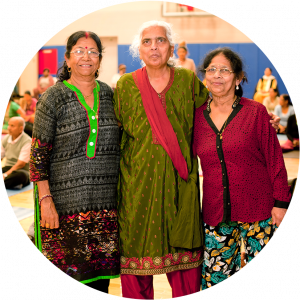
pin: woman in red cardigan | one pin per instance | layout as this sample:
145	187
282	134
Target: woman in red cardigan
245	189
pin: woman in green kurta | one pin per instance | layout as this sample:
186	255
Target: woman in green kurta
14	110
149	183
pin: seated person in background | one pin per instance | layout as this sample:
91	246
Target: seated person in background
5	121
271	101
116	77
283	110
45	81
183	61
292	134
264	84
13	110
16	148
28	104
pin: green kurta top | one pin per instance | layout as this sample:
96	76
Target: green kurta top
148	184
11	113
13	109
92	114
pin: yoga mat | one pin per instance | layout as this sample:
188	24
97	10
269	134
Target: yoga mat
282	137
24	189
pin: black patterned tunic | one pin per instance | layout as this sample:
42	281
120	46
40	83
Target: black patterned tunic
78	153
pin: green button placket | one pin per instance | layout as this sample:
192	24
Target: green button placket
92	117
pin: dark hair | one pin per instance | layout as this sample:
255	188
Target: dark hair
46	70
286	97
182	47
14	96
28	93
62	72
236	63
275	90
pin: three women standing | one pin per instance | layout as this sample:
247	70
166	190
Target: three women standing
158	204
75	164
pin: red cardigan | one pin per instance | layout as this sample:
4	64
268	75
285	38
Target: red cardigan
244	175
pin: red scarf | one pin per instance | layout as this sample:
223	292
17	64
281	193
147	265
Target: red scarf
159	122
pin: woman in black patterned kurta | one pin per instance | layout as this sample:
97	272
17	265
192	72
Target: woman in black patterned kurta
74	164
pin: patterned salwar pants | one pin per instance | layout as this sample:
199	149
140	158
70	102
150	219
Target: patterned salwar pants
222	255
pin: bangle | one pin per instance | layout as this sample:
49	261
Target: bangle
45	196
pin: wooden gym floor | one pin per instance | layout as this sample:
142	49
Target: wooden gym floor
161	285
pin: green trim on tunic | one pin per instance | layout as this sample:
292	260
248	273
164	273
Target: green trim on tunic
37	229
149	184
38	238
92	115
100	277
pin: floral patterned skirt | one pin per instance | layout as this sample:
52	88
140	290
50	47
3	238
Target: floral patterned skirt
85	246
222	257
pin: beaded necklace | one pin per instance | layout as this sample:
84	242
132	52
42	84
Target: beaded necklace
235	103
96	99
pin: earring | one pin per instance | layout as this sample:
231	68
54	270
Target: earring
237	87
69	70
97	73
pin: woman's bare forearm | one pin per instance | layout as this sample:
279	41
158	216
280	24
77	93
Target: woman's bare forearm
43	187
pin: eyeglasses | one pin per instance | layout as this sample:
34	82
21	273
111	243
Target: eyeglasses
223	72
81	53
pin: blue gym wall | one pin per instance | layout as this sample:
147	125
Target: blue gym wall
255	61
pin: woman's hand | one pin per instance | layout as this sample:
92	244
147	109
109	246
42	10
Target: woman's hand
277	215
49	216
296	143
281	129
274	120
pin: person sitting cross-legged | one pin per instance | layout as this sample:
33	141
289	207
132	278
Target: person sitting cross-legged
292	133
16	148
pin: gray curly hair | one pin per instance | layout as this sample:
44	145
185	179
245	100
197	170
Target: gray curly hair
171	36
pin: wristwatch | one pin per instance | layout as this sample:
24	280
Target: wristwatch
5	175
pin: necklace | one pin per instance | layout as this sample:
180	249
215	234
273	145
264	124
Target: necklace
96	112
85	97
235	103
221	137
